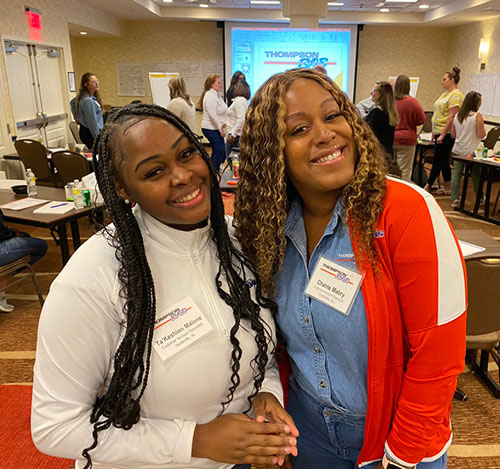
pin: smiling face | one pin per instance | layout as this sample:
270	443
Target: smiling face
164	173
319	147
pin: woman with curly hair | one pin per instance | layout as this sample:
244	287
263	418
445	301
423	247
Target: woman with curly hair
367	274
155	339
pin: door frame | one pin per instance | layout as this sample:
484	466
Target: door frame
62	78
5	119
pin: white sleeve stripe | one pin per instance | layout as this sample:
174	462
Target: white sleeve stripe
450	275
451	279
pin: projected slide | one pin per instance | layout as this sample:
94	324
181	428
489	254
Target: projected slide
262	52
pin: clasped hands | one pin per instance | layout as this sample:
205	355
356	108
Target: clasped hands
238	439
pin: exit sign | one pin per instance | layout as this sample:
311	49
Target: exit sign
34	18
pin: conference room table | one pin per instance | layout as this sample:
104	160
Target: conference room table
487	168
56	223
421	149
481	239
227	183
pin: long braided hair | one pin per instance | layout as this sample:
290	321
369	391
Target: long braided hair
120	404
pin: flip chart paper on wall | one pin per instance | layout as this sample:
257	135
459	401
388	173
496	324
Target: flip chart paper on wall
159	87
130	79
193	73
413	84
488	84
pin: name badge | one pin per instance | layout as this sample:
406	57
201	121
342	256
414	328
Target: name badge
334	285
182	325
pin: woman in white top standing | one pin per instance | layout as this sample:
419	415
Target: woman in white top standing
467	130
236	116
154	360
214	115
180	102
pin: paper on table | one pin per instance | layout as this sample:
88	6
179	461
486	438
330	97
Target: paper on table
24	203
56	149
89	181
426	136
469	249
55	207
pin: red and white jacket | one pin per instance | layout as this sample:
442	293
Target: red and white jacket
415	308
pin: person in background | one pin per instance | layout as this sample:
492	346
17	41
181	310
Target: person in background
13	246
411	114
180	102
348	254
383	119
237	77
467	130
445	109
86	109
365	106
214	116
236	115
154	359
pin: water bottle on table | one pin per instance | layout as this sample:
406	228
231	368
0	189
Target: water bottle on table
77	195
31	183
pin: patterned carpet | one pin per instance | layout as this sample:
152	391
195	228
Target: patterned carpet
476	423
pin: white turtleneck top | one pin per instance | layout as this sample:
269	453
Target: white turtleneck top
81	326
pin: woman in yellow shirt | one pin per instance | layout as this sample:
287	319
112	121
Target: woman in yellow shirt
445	108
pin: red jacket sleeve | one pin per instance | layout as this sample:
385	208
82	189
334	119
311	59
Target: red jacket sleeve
431	282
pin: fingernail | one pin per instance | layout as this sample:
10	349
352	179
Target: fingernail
287	429
292	441
275	460
288	450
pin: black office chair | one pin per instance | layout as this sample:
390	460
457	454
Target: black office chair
34	155
70	165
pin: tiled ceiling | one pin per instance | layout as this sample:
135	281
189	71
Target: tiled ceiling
348	5
438	13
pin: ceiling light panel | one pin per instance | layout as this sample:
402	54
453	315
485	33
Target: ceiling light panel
265	2
406	6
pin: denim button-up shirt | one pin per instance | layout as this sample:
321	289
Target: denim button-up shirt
89	114
328	350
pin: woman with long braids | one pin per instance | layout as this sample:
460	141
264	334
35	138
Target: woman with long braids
367	274
155	340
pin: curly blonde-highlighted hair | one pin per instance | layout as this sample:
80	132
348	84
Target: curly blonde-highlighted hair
264	192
